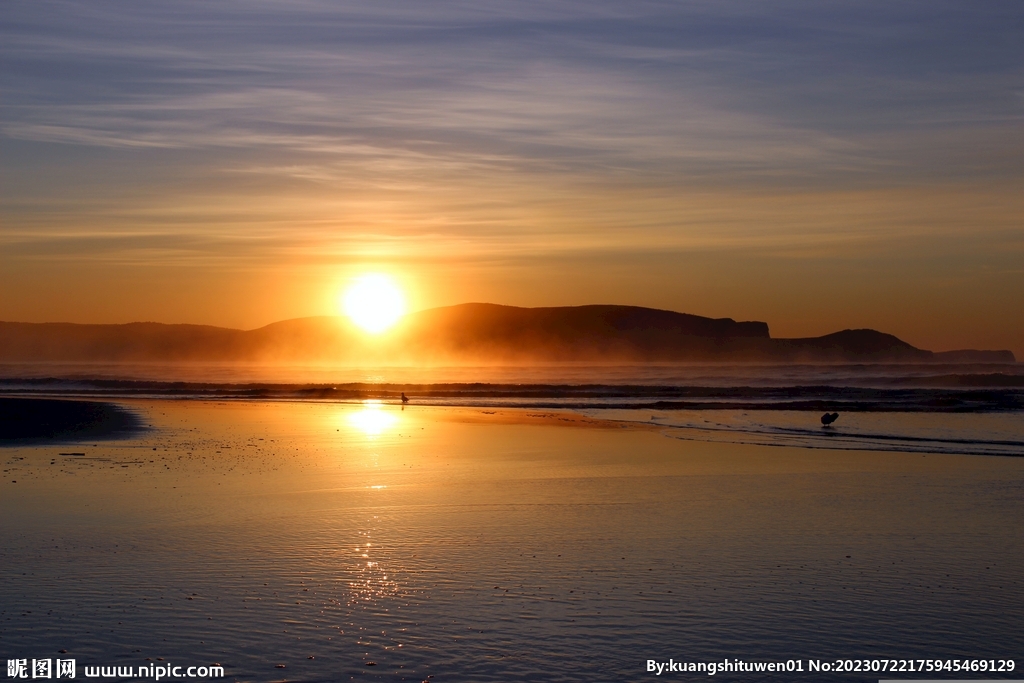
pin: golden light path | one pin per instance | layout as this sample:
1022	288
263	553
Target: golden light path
372	419
374	302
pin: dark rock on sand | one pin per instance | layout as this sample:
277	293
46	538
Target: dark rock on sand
25	419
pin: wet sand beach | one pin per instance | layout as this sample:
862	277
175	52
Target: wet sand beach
316	542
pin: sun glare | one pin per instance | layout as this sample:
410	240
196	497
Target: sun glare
374	302
372	419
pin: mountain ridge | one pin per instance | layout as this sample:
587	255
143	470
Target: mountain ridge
472	332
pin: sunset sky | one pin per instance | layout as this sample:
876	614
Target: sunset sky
815	165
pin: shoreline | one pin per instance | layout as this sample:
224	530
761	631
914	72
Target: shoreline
821	397
40	421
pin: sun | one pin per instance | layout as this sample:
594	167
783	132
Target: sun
374	302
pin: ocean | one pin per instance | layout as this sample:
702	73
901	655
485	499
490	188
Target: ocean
968	409
538	524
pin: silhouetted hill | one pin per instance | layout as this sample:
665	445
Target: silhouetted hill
570	333
851	345
130	342
468	333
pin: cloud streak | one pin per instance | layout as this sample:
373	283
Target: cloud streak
492	135
688	89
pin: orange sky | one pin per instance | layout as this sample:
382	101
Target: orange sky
805	169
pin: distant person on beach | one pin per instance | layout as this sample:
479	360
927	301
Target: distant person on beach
405	399
826	420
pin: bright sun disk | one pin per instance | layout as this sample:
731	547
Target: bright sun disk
374	302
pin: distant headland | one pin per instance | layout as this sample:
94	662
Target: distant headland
471	333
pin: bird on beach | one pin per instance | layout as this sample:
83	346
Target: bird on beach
405	399
828	418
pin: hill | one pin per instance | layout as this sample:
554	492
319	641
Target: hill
468	333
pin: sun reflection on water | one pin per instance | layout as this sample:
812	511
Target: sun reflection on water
372	581
373	419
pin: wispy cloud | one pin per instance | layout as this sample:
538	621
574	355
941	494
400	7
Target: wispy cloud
700	88
237	135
